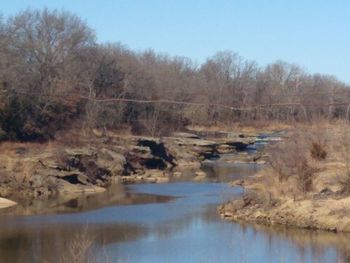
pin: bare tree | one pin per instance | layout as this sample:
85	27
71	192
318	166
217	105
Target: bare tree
52	71
43	50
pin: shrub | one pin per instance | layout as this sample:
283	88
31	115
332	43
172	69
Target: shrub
28	119
2	135
305	175
318	151
289	159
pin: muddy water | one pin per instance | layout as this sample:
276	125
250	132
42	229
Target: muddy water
175	222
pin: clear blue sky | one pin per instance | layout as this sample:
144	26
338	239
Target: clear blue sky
312	33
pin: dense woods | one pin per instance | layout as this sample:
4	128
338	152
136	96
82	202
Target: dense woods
54	75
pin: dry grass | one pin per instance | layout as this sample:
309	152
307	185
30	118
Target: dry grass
310	160
289	159
252	127
309	186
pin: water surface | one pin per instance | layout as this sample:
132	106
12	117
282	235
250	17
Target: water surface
175	222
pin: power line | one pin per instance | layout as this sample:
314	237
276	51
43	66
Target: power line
175	102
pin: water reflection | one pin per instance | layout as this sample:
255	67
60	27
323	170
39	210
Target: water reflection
26	243
223	171
117	194
174	222
319	242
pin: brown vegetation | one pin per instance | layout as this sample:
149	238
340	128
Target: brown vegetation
53	75
318	151
307	183
290	160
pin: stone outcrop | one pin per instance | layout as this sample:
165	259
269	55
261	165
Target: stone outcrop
4	203
50	172
90	165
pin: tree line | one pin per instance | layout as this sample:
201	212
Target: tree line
54	75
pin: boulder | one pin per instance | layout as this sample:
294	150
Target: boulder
64	187
150	180
177	174
185	135
200	174
162	180
225	148
6	203
112	161
153	173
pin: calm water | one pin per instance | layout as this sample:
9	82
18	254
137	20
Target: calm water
175	222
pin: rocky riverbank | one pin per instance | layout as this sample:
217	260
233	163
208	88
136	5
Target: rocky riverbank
76	163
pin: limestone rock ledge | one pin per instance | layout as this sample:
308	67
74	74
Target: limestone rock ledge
90	164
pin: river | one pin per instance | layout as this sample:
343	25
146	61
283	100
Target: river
173	222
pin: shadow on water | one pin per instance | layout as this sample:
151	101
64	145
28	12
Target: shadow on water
116	195
226	172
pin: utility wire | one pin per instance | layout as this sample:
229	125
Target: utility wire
175	102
